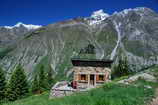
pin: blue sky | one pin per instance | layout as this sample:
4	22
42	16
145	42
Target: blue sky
44	12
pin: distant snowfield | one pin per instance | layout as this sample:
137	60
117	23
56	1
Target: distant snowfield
28	26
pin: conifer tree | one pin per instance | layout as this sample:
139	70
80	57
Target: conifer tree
42	79
2	84
122	69
18	86
125	67
35	85
49	78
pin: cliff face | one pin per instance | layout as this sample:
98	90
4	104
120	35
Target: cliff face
132	32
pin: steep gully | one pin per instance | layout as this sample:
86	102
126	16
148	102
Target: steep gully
117	25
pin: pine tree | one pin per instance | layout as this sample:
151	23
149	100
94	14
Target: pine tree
42	79
2	85
125	67
49	78
18	86
122	69
35	85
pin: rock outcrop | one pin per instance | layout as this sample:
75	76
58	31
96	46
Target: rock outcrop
144	76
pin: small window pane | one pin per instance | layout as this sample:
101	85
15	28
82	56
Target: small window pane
101	77
83	77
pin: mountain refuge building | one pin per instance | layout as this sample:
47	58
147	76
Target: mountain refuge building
89	73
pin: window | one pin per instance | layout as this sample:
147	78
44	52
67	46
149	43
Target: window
101	77
83	77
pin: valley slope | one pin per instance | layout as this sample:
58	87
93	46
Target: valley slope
131	32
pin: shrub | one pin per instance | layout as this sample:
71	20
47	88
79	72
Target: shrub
109	85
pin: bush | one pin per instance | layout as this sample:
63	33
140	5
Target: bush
109	85
120	78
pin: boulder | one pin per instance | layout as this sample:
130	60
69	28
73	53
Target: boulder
61	89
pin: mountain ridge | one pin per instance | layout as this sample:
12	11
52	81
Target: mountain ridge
29	26
132	34
10	34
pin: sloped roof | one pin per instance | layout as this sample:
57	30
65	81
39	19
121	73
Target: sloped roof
91	62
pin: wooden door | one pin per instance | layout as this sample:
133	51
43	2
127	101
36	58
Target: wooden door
92	79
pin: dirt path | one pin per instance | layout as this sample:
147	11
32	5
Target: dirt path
155	100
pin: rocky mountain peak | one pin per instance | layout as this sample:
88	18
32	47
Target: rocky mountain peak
143	9
98	16
139	10
10	33
134	36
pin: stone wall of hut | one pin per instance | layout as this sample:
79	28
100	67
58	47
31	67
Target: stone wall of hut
82	76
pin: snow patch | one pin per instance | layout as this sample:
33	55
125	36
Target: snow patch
126	11
137	32
28	26
97	17
8	27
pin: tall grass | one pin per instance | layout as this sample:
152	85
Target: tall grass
110	94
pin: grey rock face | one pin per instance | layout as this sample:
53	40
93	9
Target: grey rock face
132	32
144	76
9	34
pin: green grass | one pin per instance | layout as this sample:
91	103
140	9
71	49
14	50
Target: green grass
4	52
153	71
109	94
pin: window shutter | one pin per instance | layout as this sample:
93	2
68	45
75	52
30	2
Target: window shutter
86	77
79	77
97	77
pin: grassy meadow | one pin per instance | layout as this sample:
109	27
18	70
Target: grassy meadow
109	94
